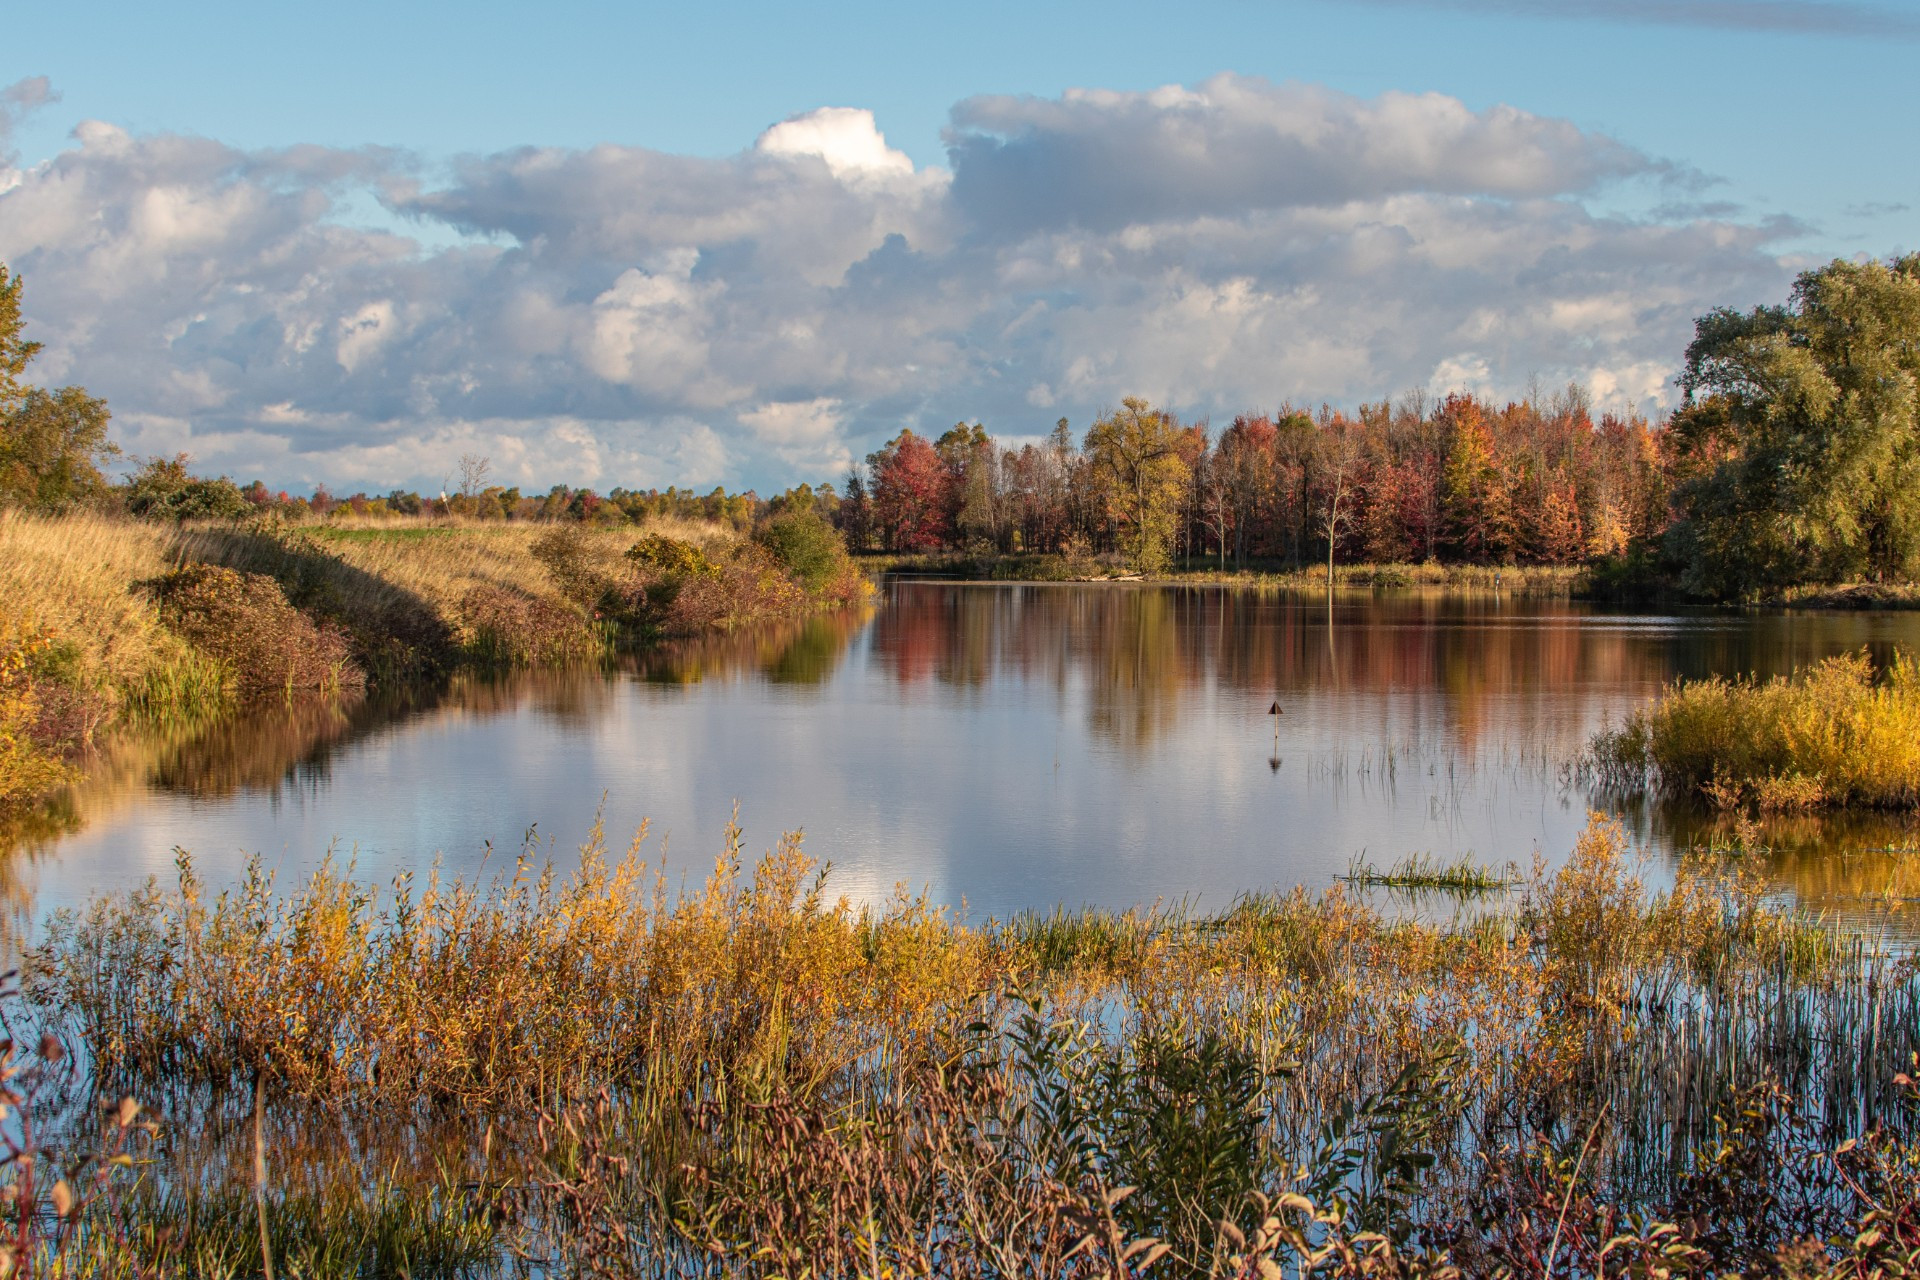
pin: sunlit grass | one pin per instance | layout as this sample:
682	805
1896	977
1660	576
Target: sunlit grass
1835	734
616	1054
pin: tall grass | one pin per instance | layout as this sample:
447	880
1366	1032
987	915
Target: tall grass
741	1063
1835	734
77	576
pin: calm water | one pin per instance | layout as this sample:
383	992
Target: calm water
1011	746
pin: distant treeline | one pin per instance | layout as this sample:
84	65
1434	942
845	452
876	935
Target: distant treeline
1461	480
1794	458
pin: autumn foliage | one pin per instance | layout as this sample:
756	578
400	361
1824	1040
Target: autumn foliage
1458	481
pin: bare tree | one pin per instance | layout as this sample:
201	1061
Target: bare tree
1340	466
473	474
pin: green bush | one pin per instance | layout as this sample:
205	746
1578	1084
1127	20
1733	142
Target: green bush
163	490
804	545
659	556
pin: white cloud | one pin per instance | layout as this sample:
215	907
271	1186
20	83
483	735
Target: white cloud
621	316
847	138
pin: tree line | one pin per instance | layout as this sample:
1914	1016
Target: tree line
1460	480
1794	457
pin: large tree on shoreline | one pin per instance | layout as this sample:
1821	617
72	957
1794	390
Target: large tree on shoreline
1798	447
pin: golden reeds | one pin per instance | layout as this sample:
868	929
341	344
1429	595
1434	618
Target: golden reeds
1834	734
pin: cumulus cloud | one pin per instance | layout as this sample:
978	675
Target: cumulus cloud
1102	159
846	138
17	101
617	315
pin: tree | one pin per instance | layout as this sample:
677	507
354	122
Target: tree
855	515
1137	448
51	442
1246	462
909	493
1341	454
974	484
1479	507
1798	443
473	474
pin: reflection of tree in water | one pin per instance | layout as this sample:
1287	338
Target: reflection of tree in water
799	651
1450	667
1133	652
273	744
261	747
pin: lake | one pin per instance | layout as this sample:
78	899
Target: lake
1009	746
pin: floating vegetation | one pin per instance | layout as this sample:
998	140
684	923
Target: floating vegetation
1422	872
1837	734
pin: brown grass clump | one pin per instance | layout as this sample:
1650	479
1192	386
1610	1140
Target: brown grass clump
27	767
510	627
243	621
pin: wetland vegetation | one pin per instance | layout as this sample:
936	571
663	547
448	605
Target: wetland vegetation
602	1069
587	1072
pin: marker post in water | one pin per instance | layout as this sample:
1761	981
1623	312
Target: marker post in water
1276	713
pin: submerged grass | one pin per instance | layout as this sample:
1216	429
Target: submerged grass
748	1075
1836	734
1424	872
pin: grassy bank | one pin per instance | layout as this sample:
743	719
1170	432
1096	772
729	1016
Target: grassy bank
1836	734
119	620
605	1075
1859	595
1528	580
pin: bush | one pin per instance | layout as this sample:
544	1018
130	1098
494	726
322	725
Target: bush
804	545
660	557
748	586
163	490
245	622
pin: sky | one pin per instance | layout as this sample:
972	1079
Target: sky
746	244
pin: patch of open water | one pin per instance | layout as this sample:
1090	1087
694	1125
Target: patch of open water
1009	746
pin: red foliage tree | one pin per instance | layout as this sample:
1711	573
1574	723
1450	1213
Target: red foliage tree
910	494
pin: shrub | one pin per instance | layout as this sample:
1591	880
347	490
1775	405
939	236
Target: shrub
659	556
804	545
748	586
515	628
566	554
164	490
244	621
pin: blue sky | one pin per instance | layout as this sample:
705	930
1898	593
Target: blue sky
1771	133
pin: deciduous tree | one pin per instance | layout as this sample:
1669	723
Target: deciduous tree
1137	448
51	442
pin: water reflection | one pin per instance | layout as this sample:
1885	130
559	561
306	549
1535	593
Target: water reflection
1012	746
804	652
